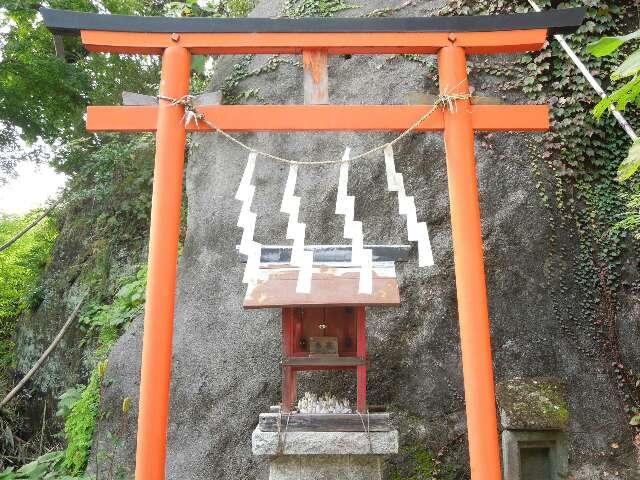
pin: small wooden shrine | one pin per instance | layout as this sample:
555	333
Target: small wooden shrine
326	328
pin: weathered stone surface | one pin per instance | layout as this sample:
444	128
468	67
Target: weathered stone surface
532	404
226	360
325	467
285	468
324	443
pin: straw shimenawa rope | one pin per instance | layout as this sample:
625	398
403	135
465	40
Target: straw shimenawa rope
445	100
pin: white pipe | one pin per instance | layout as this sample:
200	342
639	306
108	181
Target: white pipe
592	81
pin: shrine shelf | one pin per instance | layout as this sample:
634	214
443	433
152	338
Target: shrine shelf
317	363
325	422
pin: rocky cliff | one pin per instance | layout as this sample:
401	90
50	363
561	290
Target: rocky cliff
226	360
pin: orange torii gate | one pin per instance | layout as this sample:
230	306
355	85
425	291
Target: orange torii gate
451	38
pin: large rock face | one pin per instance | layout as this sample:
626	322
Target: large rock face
226	360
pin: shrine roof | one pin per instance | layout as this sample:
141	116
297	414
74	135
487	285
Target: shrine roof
280	255
334	281
65	22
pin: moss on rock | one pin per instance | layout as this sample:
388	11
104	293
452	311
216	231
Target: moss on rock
533	404
419	463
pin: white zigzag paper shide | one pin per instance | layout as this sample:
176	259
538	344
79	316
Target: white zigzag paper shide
416	231
247	221
345	205
296	232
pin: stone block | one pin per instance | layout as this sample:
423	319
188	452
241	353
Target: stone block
325	467
324	443
532	404
365	467
529	455
285	467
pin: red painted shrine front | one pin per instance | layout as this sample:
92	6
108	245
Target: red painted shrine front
323	338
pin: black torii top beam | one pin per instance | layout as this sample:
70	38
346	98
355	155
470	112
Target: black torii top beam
64	22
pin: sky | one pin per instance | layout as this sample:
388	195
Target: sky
31	188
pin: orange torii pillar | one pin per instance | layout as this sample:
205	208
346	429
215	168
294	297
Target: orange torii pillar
177	39
155	375
473	311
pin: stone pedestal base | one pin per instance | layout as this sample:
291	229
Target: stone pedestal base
326	467
325	455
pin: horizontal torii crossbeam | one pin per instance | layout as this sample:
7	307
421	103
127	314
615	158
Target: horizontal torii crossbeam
317	118
451	38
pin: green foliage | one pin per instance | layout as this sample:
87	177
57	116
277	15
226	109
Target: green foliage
27	61
108	197
631	217
420	464
314	8
80	406
212	8
622	97
629	93
20	268
113	187
68	399
80	424
22	263
607	45
45	467
627	68
45	96
127	304
631	164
